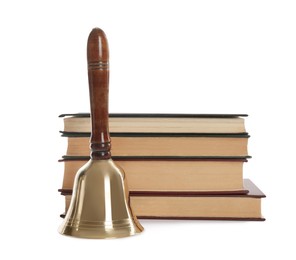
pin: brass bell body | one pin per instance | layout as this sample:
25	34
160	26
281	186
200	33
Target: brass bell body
99	207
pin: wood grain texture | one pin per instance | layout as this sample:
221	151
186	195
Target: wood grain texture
98	77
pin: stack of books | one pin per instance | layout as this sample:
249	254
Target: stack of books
178	166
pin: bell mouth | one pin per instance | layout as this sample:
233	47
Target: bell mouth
100	229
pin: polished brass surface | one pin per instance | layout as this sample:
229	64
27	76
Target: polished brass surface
100	204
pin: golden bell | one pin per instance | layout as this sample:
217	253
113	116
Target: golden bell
99	206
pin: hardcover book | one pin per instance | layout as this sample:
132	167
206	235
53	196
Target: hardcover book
148	144
171	174
160	123
204	207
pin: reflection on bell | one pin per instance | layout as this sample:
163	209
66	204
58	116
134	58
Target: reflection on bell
99	207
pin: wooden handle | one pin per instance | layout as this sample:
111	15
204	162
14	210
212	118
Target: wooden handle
98	77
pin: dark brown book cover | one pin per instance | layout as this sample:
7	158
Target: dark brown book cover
159	115
126	134
162	158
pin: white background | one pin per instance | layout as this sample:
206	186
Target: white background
166	56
